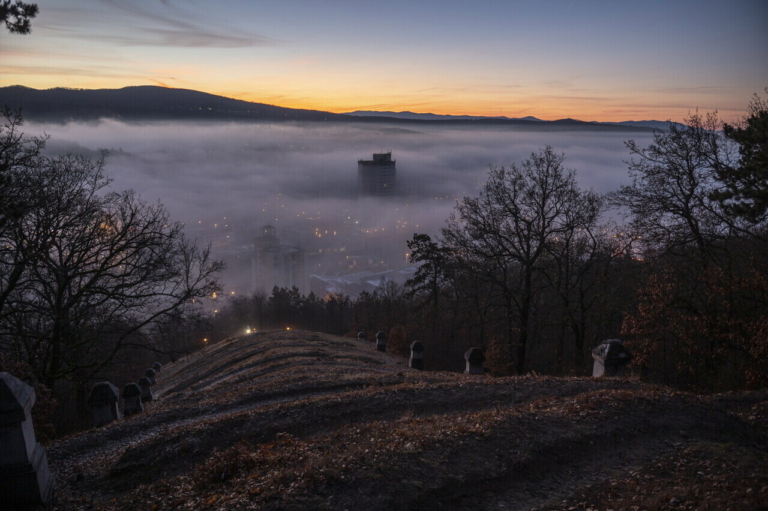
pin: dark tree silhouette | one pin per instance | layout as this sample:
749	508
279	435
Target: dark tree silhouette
673	181
86	272
746	183
19	156
17	15
503	235
430	275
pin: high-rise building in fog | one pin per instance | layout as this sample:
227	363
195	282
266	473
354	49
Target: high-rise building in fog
277	265
377	176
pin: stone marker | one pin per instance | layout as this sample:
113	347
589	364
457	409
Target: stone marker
361	336
417	356
381	341
132	399
150	373
104	404
157	366
611	357
24	474
475	358
146	390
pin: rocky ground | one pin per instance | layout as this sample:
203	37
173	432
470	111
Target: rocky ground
300	420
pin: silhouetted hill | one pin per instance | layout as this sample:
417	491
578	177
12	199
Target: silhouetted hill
151	103
145	103
433	117
661	125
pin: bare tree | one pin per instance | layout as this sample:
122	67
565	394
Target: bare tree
107	266
503	234
674	179
19	156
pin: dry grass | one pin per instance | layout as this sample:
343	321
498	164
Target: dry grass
309	421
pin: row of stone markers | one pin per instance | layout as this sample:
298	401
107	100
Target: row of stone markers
474	356
105	398
611	357
381	340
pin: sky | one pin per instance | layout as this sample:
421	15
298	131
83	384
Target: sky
591	60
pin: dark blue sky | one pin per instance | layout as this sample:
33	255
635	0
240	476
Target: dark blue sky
593	60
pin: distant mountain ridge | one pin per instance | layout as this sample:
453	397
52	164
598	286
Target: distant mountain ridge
432	117
658	125
152	103
661	125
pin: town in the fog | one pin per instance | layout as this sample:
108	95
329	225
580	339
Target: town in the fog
327	208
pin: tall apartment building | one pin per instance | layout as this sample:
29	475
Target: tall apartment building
377	176
277	265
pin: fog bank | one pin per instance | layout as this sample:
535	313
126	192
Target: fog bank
297	177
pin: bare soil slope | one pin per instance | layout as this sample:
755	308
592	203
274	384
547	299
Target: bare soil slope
299	420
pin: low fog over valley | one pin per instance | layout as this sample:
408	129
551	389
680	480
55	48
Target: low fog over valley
226	180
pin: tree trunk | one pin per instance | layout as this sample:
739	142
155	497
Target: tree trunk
525	313
560	351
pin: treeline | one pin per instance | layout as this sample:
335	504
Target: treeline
284	308
532	270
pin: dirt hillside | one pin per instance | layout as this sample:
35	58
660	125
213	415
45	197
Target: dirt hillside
298	420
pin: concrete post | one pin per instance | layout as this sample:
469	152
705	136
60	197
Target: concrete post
381	341
475	358
146	390
611	358
157	366
103	402
25	478
417	356
150	373
132	399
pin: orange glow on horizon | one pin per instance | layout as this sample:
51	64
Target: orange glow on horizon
508	59
544	107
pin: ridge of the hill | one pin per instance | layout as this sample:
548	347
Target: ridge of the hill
434	117
658	125
153	103
144	103
302	420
